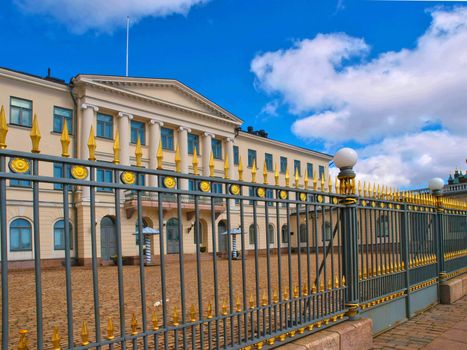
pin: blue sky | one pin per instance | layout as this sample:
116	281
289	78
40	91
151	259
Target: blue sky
288	67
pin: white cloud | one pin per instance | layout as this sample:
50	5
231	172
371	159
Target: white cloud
80	16
384	103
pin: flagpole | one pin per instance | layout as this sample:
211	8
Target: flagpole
127	42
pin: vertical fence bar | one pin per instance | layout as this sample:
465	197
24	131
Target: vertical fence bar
405	234
37	255
4	255
141	264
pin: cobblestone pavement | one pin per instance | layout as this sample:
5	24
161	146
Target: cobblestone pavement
22	310
443	327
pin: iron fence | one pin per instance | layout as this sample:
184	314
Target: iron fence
286	261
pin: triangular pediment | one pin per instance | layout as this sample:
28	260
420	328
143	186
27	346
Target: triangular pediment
167	90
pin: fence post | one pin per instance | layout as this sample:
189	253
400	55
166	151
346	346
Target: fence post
345	159
436	186
406	257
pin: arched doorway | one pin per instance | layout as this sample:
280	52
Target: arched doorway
173	236
108	238
222	240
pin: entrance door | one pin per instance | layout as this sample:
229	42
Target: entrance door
222	245
173	236
108	238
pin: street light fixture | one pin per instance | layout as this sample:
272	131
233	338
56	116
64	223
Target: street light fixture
436	185
345	159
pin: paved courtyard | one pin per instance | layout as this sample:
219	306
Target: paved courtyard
22	291
443	327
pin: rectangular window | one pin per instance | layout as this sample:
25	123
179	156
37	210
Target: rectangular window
283	165
297	167
216	148
321	172
58	173
268	160
269	194
251	193
236	155
105	126
22	183
251	157
104	175
217	188
167	137
193	143
138	128
61	114
20	112
309	170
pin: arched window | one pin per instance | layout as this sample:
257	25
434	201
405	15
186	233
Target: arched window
59	235
382	226
285	234
271	233
303	233
252	234
327	231
20	235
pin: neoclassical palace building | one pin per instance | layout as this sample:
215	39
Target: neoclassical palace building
157	111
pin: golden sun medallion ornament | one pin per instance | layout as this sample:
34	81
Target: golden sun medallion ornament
320	198
128	177
204	186
19	165
79	172
234	189
169	182
302	196
260	192
283	194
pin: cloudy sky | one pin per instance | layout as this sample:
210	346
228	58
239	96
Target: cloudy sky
387	78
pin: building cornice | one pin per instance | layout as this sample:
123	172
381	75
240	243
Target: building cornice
25	78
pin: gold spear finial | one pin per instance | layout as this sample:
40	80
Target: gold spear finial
238	304
35	135
305	289
23	340
116	148
252	301
253	171
360	193
92	144
275	296
209	311
56	339
313	288
343	281
322	183
240	169
195	162
138	152
175	317
265	173
155	321
178	159
276	175
264	299
64	140
305	181
192	313
110	329
315	182
286	294
295	292
337	185
336	282
287	177
84	334
159	156
297	178
3	128
330	184
211	164
226	166
224	307
134	325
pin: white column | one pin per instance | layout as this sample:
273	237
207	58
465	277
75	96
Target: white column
154	139
229	143
87	119
125	137
183	144
207	149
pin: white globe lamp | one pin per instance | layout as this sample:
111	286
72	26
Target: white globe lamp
345	159
436	185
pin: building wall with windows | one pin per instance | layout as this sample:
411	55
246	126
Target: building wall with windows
155	110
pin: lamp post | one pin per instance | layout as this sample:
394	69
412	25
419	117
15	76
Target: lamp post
436	185
345	159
